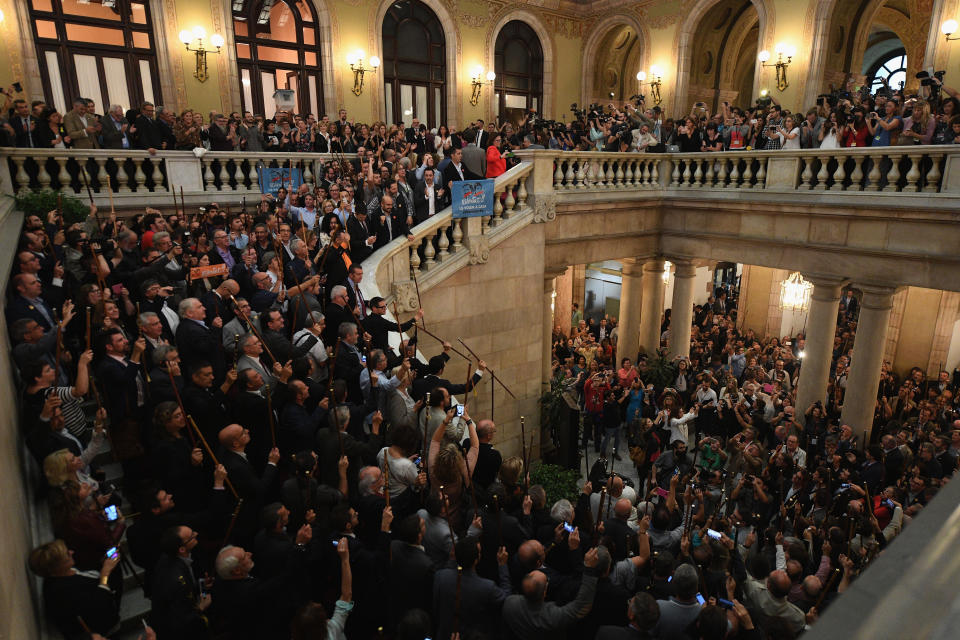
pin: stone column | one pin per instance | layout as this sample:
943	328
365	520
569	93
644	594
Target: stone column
547	326
818	352
628	326
681	318
652	306
860	399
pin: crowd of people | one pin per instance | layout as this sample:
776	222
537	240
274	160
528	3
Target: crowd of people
287	473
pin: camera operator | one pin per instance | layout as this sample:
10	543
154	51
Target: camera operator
829	132
884	130
810	129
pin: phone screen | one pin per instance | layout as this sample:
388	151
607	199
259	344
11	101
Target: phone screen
569	527
112	552
726	604
459	409
716	535
701	599
111	512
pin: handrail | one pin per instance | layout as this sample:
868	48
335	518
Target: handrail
445	243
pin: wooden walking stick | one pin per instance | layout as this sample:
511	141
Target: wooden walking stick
56	362
332	405
273	428
236	349
523	448
256	332
176	394
89	329
386	476
496	503
417	287
213	457
456	606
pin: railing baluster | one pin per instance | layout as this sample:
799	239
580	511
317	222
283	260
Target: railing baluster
581	176
729	182
254	176
807	175
609	184
510	202
558	175
497	209
933	176
645	178
822	174
655	174
415	255
708	177
893	176
457	235
874	176
856	176
63	176
123	178
628	174
43	177
522	192
138	176
102	177
208	175
685	178
913	175
839	175
238	176
443	242
747	171
428	253
157	175
569	176
761	174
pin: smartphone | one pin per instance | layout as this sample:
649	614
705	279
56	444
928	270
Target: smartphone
726	604
459	410
335	542
18	87
116	288
569	527
417	461
676	471
701	599
112	553
716	535
363	359
670	579
845	485
111	512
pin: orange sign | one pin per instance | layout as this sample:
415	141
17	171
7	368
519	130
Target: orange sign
209	271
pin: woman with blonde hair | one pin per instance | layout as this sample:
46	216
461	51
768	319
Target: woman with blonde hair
450	470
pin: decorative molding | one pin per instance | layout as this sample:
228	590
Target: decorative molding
545	208
175	61
405	295
479	249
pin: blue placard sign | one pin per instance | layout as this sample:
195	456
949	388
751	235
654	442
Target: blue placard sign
472	198
272	178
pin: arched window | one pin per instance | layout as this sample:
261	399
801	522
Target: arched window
893	69
414	66
278	47
102	51
518	62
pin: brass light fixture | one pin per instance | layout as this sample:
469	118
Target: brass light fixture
782	50
355	60
198	34
655	82
948	28
477	83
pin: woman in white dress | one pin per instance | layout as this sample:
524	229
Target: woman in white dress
828	133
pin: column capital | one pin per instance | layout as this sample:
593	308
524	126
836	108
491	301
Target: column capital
826	288
631	267
654	265
876	297
684	268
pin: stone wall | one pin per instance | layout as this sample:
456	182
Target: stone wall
496	308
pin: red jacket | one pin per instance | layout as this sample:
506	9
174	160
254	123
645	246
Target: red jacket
593	396
495	162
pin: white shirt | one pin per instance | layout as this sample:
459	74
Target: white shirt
428	191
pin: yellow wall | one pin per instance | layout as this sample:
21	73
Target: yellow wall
917	329
754	303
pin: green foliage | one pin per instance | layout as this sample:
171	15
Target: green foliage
659	371
552	405
557	481
41	202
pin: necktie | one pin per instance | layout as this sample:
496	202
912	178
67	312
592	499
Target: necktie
26	128
361	305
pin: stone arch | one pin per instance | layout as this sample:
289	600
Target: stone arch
687	33
452	56
588	76
546	43
331	93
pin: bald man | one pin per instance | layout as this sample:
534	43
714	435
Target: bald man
770	596
234	440
528	616
618	529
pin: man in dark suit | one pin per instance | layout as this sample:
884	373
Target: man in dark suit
336	313
849	304
411	573
233	443
481	599
175	590
115	127
481	137
28	302
363	235
429	382
429	197
456	170
166	120
198	342
349	361
643	613
218	303
204	402
298	426
124	391
392	222
24	125
379	327
145	131
222	135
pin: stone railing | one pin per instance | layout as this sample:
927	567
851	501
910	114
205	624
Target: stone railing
128	172
442	245
927	169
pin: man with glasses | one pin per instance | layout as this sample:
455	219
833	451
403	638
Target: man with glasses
379	327
29	302
223	252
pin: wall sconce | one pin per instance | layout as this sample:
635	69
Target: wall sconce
782	50
355	60
948	28
477	83
198	34
655	82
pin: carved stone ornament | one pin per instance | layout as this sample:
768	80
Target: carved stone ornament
545	208
479	249
405	293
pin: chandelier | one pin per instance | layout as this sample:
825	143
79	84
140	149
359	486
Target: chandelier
795	293
666	271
